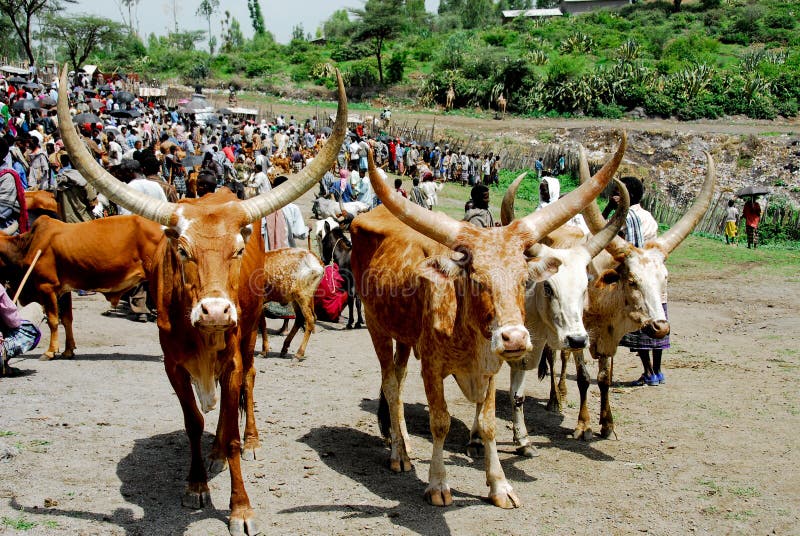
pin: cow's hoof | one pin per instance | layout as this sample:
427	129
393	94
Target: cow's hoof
607	430
400	466
553	406
68	354
217	465
251	452
47	356
505	500
528	451
475	449
583	434
439	496
243	523
196	496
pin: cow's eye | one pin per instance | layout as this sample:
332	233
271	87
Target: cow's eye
183	254
239	253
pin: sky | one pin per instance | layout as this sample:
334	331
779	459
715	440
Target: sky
280	16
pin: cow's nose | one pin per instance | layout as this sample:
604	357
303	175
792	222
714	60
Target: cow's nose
214	313
657	329
576	342
515	339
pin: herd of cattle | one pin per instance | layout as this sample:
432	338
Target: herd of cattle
464	299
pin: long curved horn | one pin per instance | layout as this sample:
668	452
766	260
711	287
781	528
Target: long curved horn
298	183
618	247
599	241
507	207
542	222
435	225
678	232
102	180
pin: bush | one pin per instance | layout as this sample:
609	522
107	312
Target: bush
499	37
657	103
609	111
361	74
395	67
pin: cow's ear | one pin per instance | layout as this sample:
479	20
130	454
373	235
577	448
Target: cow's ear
247	231
327	228
609	277
438	275
542	268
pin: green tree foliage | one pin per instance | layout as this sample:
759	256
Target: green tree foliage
378	21
232	36
478	14
338	26
81	35
256	17
298	34
206	9
22	14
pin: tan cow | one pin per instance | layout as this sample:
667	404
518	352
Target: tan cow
455	294
501	105
451	98
207	309
292	275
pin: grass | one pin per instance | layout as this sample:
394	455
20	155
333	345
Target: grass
745	491
18	523
7	433
714	255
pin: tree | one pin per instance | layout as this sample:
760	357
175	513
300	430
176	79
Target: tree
503	5
298	34
379	20
477	13
22	12
450	6
256	17
676	5
81	35
338	25
232	36
206	9
131	6
185	40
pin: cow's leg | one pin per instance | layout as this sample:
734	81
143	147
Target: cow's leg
475	444
391	389
65	313
604	374
583	430
562	380
50	306
243	519
305	307
196	494
350	303
262	327
402	353
360	321
500	492
284	328
521	439
554	403
438	491
298	315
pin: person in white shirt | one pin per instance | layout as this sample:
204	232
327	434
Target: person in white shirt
429	187
114	151
259	181
295	226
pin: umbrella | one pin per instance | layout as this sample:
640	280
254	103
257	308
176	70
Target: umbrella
90	92
47	102
95	104
104	87
327	130
32	86
748	191
25	105
86	118
124	96
213	121
224	111
127	114
17	80
192	160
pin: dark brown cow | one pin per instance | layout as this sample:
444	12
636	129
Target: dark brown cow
207	308
110	256
455	294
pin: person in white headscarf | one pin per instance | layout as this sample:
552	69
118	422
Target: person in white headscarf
549	192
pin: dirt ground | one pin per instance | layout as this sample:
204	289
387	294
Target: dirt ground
97	446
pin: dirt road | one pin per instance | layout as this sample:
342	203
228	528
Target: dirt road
97	445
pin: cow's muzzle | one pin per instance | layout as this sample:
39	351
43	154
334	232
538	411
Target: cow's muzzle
658	329
511	342
214	314
576	342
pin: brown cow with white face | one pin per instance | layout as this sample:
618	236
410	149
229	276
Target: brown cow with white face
455	294
207	310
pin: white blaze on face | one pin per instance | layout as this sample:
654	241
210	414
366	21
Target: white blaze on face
559	301
650	274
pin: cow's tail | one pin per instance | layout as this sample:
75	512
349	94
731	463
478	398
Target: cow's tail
544	363
384	420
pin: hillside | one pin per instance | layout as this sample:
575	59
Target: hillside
711	59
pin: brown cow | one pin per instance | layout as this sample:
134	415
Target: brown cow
461	292
451	98
40	203
110	255
292	275
207	310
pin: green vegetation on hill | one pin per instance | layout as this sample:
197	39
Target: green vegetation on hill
709	59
